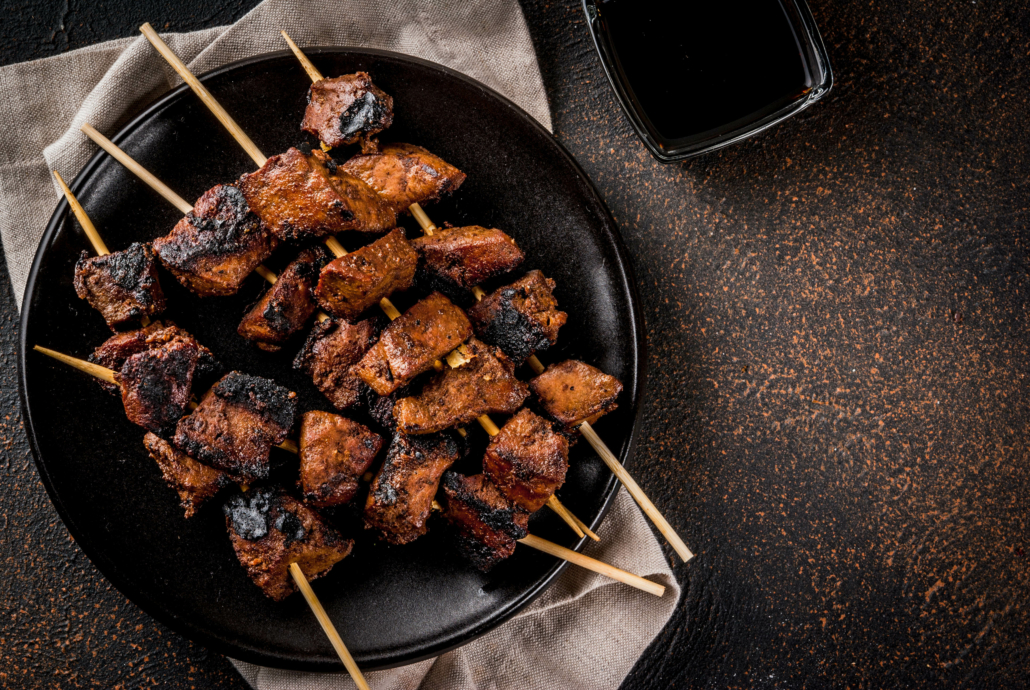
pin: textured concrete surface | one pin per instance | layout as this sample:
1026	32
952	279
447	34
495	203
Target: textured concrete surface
837	317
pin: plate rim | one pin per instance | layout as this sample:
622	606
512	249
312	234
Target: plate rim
179	624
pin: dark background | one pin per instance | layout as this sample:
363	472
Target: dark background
837	315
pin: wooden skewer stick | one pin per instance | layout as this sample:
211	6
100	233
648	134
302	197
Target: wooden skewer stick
80	213
327	626
309	67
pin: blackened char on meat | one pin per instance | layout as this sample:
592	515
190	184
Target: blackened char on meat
334	453
346	109
193	481
236	424
488	524
156	385
404	174
123	286
113	352
402	492
521	318
331	349
571	392
469	255
270	530
287	304
217	244
357	281
527	460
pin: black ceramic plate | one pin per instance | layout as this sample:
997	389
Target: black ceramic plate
392	605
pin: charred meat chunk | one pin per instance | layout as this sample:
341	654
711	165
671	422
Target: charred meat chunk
468	256
331	349
521	318
527	460
410	345
401	496
288	303
346	109
352	283
217	244
572	392
484	385
404	174
194	482
122	286
113	352
488	524
236	424
156	385
334	453
303	197
270	530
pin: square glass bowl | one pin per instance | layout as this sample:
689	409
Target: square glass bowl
695	77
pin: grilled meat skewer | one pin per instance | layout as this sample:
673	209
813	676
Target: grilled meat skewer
572	392
347	109
332	347
527	460
113	352
288	304
521	318
334	453
195	482
353	283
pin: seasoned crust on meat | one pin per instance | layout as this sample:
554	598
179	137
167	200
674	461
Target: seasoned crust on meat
488	524
236	424
527	460
401	496
571	392
334	453
331	348
270	530
412	342
347	109
484	385
357	281
467	256
521	318
217	244
404	174
287	304
113	352
194	482
156	385
123	286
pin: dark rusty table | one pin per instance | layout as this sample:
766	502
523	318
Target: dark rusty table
837	317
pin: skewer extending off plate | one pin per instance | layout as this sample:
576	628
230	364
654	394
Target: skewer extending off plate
80	213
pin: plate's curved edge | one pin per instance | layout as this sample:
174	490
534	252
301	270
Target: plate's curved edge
328	663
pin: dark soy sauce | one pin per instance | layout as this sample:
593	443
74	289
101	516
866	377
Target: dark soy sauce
696	69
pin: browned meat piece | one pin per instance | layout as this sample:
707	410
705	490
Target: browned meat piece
521	318
195	483
402	492
302	196
334	453
527	460
346	109
410	345
331	348
468	256
156	385
351	284
571	392
403	174
287	305
120	346
217	244
270	530
122	286
236	424
455	396
488	524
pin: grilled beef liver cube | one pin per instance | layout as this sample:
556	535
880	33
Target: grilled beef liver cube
401	496
287	305
571	392
410	345
194	482
122	286
346	109
403	174
217	244
357	281
236	424
270	530
156	385
334	453
302	197
488	524
456	396
521	318
113	352
331	348
527	460
468	256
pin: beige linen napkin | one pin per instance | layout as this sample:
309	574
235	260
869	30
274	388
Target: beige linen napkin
585	632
